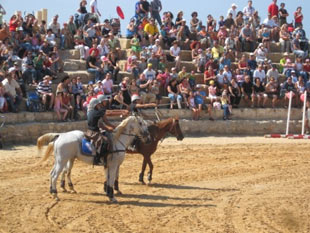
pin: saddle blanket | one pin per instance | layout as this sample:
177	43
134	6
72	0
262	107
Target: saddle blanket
88	148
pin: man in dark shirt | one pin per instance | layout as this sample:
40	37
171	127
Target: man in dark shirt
247	90
283	14
287	87
229	21
92	67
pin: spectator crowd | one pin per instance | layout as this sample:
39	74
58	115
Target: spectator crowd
231	53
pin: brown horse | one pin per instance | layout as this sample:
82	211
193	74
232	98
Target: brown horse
157	131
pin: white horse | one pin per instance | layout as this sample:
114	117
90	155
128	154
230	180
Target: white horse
67	147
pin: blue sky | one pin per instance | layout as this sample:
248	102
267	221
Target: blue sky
65	8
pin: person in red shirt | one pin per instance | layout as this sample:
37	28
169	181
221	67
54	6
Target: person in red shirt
298	16
208	75
14	23
273	9
94	48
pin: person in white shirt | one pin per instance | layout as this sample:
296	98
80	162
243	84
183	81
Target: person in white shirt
149	73
107	84
232	10
94	7
175	53
248	11
55	26
260	73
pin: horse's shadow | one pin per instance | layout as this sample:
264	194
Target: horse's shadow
185	187
144	203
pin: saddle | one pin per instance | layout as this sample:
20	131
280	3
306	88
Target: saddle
88	148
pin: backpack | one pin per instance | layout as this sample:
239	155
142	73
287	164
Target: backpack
33	103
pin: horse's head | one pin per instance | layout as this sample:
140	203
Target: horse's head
175	129
140	128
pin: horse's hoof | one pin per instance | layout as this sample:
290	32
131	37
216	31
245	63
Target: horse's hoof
119	192
55	197
149	183
64	190
72	191
141	181
113	199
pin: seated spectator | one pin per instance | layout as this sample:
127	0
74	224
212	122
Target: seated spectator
59	107
212	89
222	35
208	75
246	38
12	90
243	65
300	87
239	21
296	47
76	88
151	31
287	87
306	68
234	93
274	73
227	74
217	50
285	39
144	89
247	91
175	55
114	45
3	104
63	86
174	93
113	66
259	94
261	53
155	89
304	44
133	88
299	69
44	89
225	61
81	45
193	106
135	44
260	73
184	90
131	30
182	74
153	60
272	90
92	67
149	73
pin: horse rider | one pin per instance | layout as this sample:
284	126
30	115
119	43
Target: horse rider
99	127
135	108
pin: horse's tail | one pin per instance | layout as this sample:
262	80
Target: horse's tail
44	140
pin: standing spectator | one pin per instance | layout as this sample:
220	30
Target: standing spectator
226	105
283	14
76	88
12	90
156	7
66	101
273	9
248	11
298	16
44	90
232	11
94	7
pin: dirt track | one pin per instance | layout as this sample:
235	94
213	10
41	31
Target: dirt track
199	185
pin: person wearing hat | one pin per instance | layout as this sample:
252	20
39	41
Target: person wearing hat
149	73
12	91
232	11
44	89
136	105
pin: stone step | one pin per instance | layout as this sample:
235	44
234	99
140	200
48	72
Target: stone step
29	132
125	44
73	65
238	114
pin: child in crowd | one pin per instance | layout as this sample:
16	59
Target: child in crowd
193	106
59	107
212	91
226	105
239	77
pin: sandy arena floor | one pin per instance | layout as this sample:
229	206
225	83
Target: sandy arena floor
210	184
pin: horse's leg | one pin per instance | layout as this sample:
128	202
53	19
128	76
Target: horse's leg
69	168
116	184
150	173
62	180
113	164
58	167
141	175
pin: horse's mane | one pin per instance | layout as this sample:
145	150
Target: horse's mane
162	124
120	128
